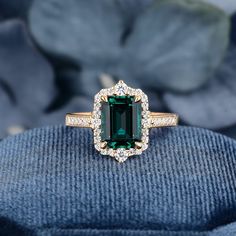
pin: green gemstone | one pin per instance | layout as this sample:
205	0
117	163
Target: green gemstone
121	122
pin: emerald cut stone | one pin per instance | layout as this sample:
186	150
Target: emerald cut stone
121	122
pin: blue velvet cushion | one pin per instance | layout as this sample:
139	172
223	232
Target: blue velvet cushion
53	182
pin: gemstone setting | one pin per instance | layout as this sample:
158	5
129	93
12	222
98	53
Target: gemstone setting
121	121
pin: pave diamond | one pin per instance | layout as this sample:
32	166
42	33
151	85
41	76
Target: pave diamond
163	121
78	121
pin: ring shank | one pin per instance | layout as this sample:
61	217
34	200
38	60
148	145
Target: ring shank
79	119
157	119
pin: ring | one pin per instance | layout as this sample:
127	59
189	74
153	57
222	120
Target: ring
121	121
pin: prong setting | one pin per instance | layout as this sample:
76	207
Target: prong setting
104	98
138	145
138	98
103	144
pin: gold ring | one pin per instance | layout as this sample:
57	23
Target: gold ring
121	121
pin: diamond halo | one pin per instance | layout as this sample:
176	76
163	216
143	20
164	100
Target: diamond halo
120	89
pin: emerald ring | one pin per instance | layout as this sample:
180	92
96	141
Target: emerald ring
121	121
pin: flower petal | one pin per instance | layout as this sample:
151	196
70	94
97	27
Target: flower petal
130	9
13	9
177	45
87	31
228	6
23	70
10	116
214	105
77	104
233	28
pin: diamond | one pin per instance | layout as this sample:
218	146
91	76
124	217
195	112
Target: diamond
120	88
121	155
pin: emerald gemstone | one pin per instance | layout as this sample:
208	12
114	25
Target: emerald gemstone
121	122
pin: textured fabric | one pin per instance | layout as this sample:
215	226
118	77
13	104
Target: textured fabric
53	182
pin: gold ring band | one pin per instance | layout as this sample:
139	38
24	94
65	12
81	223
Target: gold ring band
79	119
85	119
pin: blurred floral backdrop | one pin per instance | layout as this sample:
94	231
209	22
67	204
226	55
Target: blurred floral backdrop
56	54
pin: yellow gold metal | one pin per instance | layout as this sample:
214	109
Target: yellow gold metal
103	144
138	144
104	98
137	98
157	119
82	119
96	121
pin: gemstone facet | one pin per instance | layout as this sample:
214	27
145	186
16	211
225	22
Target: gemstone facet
121	119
